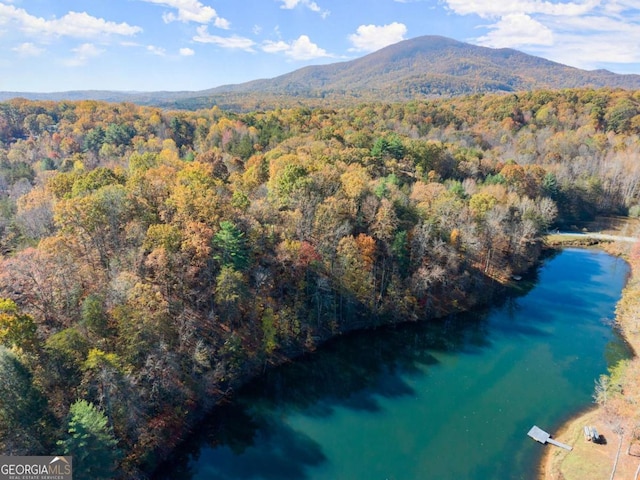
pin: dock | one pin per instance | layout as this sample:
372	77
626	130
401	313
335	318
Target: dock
543	437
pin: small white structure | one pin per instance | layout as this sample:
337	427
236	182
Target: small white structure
543	437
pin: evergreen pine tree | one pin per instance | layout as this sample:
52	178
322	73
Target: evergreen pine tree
90	442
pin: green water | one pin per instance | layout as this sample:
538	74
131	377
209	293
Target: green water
450	400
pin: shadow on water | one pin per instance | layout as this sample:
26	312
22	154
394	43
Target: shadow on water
231	434
354	370
247	439
617	349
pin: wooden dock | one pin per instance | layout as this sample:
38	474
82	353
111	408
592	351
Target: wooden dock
543	437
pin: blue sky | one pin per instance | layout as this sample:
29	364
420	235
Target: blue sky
148	45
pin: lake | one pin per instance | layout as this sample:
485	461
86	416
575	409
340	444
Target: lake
452	399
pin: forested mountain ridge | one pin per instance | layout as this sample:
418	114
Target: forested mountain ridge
419	68
152	260
433	66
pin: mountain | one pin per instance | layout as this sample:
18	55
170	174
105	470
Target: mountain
422	67
432	65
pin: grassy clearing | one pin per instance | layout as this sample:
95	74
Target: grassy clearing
587	460
559	240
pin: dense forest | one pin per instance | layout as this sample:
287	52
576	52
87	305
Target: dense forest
152	261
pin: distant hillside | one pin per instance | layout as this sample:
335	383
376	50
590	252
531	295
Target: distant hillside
423	67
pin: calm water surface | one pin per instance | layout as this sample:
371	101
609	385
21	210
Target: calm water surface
451	400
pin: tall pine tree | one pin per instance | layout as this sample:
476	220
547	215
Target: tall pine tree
90	442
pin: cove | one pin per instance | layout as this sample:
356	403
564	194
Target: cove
451	399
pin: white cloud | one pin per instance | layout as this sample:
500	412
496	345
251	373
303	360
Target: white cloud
369	38
83	54
85	26
233	42
494	8
595	49
187	52
222	23
301	49
28	50
618	6
190	11
516	30
594	24
585	34
73	24
311	5
161	52
304	49
275	47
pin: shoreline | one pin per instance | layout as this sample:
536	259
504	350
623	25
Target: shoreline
589	460
602	244
496	290
549	468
